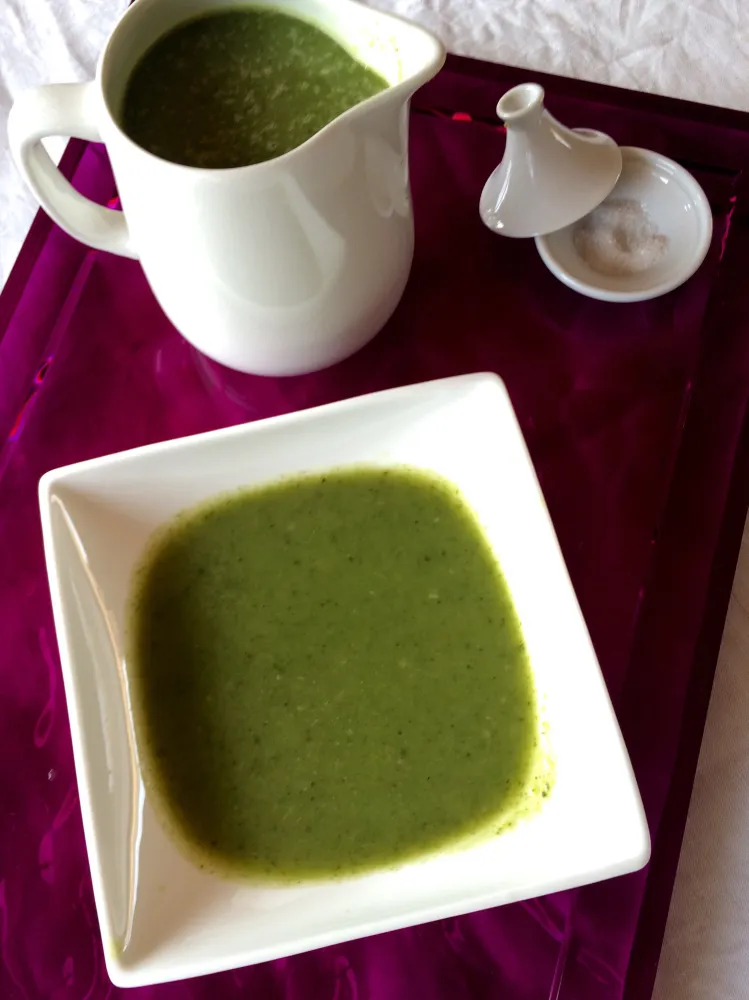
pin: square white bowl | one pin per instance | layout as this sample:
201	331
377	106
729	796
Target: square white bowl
161	917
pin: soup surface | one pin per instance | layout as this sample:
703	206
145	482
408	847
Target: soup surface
240	86
329	676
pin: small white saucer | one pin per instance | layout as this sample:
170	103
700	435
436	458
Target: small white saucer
674	215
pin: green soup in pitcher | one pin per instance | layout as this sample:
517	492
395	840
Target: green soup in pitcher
240	86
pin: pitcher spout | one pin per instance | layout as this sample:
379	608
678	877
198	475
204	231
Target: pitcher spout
403	53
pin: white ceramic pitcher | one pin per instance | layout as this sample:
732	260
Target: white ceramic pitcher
278	268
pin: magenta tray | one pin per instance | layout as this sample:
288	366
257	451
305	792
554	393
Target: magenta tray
636	420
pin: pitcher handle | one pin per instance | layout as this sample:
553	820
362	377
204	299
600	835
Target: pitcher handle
66	109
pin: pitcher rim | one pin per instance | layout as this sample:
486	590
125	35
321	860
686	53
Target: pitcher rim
400	89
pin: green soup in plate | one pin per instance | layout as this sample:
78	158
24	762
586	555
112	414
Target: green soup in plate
329	676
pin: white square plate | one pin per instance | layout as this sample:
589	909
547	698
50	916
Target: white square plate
161	917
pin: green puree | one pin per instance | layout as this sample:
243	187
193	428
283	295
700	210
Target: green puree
329	675
240	86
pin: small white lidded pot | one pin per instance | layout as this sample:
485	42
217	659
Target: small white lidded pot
617	224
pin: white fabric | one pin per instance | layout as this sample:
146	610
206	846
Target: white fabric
696	49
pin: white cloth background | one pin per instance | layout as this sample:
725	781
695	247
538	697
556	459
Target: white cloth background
695	49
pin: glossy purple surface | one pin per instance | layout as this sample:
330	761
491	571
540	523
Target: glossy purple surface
635	419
